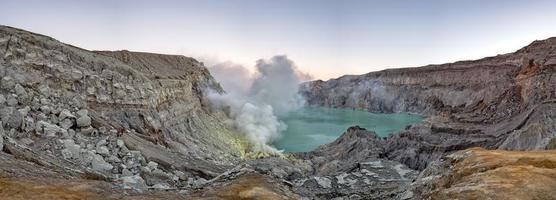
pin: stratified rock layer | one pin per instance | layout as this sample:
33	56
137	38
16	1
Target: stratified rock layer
507	102
111	113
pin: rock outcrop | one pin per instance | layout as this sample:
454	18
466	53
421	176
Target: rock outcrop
486	90
116	115
351	168
506	102
480	174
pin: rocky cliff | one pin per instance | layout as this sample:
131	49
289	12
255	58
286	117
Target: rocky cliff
492	88
118	115
506	101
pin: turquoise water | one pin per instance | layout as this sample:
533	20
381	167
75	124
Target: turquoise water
311	127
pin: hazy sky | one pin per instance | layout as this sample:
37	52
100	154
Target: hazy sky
325	38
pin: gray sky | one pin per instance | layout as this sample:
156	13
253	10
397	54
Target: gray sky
326	38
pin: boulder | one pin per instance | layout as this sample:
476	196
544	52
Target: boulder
71	150
83	121
120	143
82	112
64	114
87	130
102	150
156	176
15	120
76	75
197	182
98	164
152	165
44	90
113	159
101	142
24	111
19	90
50	130
133	182
46	109
323	182
8	83
5	113
180	175
126	172
12	100
29	124
66	123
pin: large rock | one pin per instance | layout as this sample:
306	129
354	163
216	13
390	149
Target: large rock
65	113
353	146
13	118
12	100
102	150
133	182
71	150
351	168
19	90
98	164
83	121
50	130
8	83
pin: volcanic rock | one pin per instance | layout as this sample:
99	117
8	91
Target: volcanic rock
505	101
481	174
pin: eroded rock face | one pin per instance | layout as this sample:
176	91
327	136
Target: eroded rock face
505	102
355	145
351	168
485	90
481	174
537	132
110	113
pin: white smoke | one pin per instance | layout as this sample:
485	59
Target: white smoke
256	99
277	84
234	78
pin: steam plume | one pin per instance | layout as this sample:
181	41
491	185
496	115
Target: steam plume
255	100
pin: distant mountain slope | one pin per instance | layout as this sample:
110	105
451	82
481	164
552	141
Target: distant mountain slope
526	75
